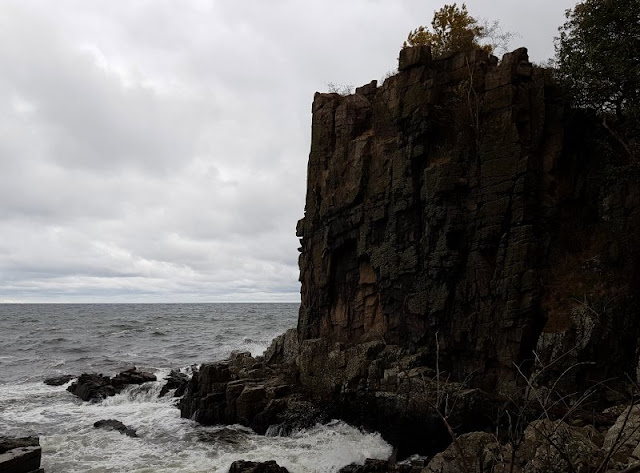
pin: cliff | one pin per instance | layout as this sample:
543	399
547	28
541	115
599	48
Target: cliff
464	234
462	201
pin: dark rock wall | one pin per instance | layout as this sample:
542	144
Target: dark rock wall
458	209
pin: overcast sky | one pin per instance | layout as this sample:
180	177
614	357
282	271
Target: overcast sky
156	150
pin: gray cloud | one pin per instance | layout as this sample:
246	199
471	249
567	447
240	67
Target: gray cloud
156	150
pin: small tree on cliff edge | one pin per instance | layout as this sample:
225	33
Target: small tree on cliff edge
598	57
453	30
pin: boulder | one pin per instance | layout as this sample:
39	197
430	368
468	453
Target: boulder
242	466
475	452
624	436
20	455
113	424
92	387
556	447
59	380
132	376
9	443
96	387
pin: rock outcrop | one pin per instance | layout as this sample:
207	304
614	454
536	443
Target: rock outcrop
242	466
113	424
20	455
243	390
59	380
96	387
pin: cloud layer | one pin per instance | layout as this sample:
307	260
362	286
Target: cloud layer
156	150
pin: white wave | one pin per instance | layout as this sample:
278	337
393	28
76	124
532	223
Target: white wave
166	443
322	449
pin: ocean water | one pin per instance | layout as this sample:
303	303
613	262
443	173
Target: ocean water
43	340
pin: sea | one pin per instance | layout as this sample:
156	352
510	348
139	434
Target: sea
38	341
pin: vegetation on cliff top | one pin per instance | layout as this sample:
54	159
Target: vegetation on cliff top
454	29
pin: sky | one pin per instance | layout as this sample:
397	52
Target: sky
156	150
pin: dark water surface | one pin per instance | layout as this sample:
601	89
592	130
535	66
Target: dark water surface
49	339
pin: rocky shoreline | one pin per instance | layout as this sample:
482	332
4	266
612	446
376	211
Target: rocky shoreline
265	394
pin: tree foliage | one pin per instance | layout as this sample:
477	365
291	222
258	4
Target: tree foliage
453	29
598	56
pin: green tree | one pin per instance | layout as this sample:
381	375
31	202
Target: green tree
453	29
598	56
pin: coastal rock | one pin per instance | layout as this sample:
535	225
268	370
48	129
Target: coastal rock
132	376
20	455
92	387
475	452
96	387
243	390
9	443
555	447
176	380
59	380
113	424
242	466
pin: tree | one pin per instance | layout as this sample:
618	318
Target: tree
453	30
598	56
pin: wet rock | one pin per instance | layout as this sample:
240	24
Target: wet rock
20	455
244	391
96	387
242	466
59	380
225	436
9	443
113	424
132	376
176	380
92	387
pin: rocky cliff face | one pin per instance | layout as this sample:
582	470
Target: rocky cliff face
459	208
